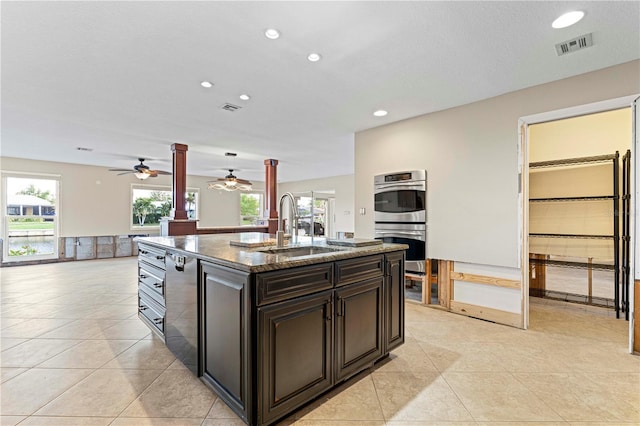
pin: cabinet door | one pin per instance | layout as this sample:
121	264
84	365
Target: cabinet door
225	335
358	324
394	301
295	347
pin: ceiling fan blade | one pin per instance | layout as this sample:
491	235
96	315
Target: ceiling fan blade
243	181
160	172
127	172
119	170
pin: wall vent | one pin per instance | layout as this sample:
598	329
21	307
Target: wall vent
574	44
230	107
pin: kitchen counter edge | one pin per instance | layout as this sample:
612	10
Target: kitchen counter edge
216	248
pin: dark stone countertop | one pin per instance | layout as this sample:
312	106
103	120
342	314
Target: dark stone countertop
217	248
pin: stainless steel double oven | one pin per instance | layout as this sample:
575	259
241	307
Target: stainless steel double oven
401	213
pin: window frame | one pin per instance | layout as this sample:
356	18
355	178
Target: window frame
159	188
261	201
4	218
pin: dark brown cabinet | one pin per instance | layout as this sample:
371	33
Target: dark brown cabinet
269	342
295	362
225	334
358	325
151	285
394	301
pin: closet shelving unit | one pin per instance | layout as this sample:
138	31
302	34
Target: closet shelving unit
626	231
614	236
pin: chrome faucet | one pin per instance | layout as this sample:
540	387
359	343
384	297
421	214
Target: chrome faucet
294	210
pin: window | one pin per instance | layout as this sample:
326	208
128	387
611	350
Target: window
150	203
30	225
251	204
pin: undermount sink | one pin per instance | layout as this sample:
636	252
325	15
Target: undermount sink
300	251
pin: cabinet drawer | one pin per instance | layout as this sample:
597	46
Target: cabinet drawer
150	311
285	284
353	270
152	278
152	255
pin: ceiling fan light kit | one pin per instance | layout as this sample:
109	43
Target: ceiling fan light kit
141	171
230	182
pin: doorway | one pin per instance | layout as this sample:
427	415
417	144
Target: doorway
315	213
30	218
557	241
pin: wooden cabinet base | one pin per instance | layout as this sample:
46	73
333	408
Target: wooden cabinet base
270	342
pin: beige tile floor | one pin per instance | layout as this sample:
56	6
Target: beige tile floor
74	353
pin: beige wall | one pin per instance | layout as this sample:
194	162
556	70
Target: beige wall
93	201
344	196
470	154
588	135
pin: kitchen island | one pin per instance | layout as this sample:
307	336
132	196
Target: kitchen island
269	329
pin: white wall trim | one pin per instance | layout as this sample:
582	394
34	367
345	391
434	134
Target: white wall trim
576	111
10	173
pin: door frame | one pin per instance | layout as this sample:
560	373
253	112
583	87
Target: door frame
523	193
6	174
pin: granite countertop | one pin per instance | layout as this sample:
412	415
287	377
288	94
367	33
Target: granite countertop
218	248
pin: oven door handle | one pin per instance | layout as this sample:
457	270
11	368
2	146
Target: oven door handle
406	185
418	234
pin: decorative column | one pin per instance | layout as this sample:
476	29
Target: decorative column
271	193
178	224
179	181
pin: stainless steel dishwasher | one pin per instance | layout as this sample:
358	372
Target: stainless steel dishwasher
181	323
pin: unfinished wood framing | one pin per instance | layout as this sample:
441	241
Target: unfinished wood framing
537	275
495	315
478	311
481	279
444	283
427	280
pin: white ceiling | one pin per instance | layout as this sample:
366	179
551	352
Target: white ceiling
122	78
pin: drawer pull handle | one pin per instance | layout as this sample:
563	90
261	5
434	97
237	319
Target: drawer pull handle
160	257
157	321
143	276
142	308
144	252
158	285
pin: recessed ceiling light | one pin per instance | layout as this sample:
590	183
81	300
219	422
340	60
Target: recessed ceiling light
82	148
245	97
568	19
314	57
206	84
380	113
272	33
